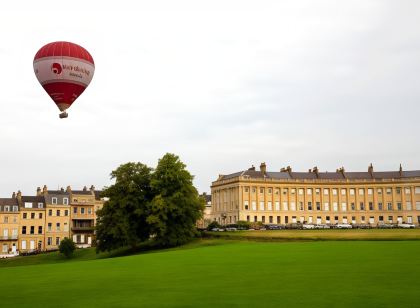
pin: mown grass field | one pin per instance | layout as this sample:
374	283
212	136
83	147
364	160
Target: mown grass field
225	273
327	235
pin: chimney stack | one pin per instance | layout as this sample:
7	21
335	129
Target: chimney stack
263	168
252	168
92	188
401	170
38	191
68	189
370	170
84	188
62	189
14	195
316	171
19	195
45	190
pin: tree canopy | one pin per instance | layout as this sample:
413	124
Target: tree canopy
160	204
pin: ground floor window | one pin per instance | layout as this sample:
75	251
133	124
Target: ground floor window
278	219
23	244
5	248
263	219
49	241
255	218
247	218
270	219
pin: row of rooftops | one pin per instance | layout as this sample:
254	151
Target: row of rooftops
43	196
314	174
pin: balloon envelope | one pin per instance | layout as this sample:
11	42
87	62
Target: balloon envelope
64	70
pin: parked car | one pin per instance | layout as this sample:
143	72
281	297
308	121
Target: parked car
406	226
231	229
294	225
384	226
362	226
308	226
344	226
322	226
274	227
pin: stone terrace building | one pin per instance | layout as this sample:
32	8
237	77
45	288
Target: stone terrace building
9	226
317	197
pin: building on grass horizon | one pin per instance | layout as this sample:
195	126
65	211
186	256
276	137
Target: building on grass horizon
285	197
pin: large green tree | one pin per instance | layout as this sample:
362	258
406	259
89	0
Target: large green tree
122	220
176	205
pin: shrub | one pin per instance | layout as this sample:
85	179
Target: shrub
212	225
67	247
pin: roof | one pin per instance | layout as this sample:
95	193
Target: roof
284	175
81	192
8	201
33	199
206	197
98	194
57	192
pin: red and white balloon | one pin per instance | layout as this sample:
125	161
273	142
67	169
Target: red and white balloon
64	70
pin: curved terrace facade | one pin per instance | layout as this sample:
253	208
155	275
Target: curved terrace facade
317	197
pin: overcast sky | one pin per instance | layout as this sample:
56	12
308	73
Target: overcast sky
223	84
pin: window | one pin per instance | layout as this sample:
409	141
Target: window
278	219
293	206
58	212
246	205
32	230
301	208
49	212
65	201
293	191
343	191
285	206
363	218
15	208
66	212
418	205
352	192
277	206
39	229
399	206
66	226
49	241
309	191
255	218
370	206
417	190
379	191
261	207
309	206
362	206
58	226
326	191
82	210
254	205
40	205
389	206
269	206
407	190
361	191
398	190
353	206
246	190
6	219
326	206
49	227
344	206
40	215
90	210
390	218
23	229
270	190
301	191
380	207
389	191
261	190
318	206
285	191
254	190
335	206
270	219
371	219
410	219
327	219
408	206
28	205
263	219
23	244
32	215
57	241
54	200
370	191
336	218
317	191
277	191
381	218
75	210
247	218
334	192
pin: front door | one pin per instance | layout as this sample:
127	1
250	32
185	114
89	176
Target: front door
14	248
399	220
5	248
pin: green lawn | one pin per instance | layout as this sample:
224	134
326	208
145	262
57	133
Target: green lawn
221	273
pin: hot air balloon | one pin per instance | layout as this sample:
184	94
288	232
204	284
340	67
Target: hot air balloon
64	70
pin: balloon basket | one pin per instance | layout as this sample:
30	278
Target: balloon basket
63	115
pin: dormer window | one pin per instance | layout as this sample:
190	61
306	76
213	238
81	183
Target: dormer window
65	201
54	200
28	205
40	205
